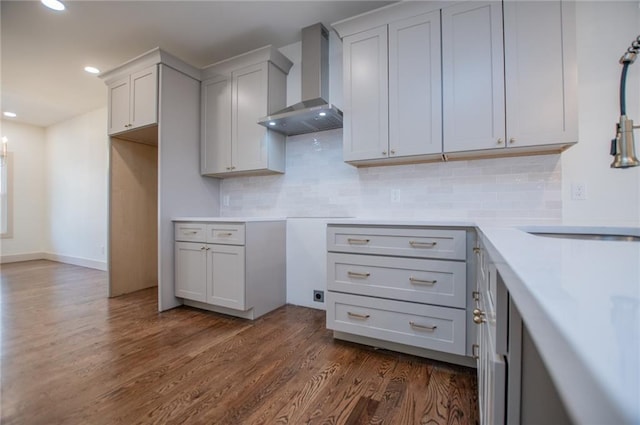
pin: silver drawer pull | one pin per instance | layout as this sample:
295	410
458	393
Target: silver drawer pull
354	241
192	232
358	275
422	327
416	244
225	234
422	282
358	316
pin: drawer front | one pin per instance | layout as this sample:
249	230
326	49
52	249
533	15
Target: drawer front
419	325
404	242
226	233
190	232
409	279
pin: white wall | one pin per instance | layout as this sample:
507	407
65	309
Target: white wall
604	31
26	150
76	157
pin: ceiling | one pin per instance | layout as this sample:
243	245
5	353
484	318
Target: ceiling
44	52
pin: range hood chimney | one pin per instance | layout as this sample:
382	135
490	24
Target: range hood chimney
314	113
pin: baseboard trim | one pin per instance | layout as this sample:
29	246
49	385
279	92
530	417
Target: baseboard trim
76	261
16	258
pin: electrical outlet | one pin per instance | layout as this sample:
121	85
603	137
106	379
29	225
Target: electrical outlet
578	191
395	195
318	296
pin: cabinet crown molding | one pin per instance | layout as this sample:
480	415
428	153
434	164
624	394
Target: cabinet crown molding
262	54
152	57
385	15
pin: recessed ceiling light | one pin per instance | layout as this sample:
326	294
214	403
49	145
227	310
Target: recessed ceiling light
53	4
322	114
10	114
272	123
92	70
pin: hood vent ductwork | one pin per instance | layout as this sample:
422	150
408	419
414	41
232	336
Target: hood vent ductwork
314	113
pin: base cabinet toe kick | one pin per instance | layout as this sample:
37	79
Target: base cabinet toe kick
403	288
234	268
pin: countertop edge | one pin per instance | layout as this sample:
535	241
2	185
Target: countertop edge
591	403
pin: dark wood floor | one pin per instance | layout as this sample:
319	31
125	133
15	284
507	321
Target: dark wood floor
70	355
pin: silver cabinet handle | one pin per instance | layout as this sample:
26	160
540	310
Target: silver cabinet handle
358	275
202	248
422	282
357	316
423	327
225	234
512	140
354	241
193	232
500	141
417	244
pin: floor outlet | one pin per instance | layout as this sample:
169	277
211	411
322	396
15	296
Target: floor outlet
318	296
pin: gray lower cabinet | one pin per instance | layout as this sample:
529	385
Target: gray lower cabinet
235	268
514	385
400	287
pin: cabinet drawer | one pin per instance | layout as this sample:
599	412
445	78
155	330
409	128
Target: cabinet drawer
419	325
226	233
409	279
190	232
405	242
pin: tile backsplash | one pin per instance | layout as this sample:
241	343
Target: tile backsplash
318	183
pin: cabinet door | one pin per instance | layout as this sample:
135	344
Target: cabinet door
415	111
118	105
144	97
215	141
366	100
191	271
226	277
249	103
473	76
540	72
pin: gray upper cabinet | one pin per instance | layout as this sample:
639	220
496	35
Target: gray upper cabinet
365	95
236	93
133	101
473	76
523	100
439	80
540	72
392	99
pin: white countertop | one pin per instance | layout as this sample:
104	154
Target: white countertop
580	300
228	219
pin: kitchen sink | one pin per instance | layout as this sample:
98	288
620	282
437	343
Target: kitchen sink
589	236
586	233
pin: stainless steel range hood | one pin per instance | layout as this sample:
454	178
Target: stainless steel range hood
314	113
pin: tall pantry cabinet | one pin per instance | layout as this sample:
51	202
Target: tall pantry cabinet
153	171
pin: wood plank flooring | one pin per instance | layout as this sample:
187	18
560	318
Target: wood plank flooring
70	355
